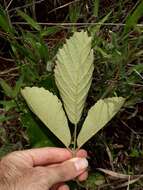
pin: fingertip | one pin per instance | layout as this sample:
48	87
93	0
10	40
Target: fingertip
80	164
81	153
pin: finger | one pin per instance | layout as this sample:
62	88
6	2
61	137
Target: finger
66	171
81	153
46	156
60	186
57	186
83	176
42	156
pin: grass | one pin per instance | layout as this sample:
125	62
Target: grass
27	54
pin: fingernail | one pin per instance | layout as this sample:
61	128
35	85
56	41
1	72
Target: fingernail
80	163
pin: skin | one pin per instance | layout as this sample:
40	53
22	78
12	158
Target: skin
40	169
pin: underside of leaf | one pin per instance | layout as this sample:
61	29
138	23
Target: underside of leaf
98	116
49	110
73	73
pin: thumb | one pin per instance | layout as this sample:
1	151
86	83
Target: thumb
66	171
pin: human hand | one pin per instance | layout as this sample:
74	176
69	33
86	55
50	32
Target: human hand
41	169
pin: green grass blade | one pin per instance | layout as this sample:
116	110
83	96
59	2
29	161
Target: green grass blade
29	20
74	13
133	18
96	28
17	87
4	23
6	88
95	8
47	31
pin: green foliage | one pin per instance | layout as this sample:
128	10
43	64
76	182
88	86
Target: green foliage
94	181
36	134
4	22
28	49
4	118
93	30
95	7
8	90
8	104
29	20
133	18
74	12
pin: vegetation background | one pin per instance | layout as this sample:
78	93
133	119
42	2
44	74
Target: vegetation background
30	34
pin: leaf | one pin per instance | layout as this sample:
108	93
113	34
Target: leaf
23	51
49	110
4	118
29	20
96	28
94	181
4	23
36	135
73	73
133	18
7	88
48	31
8	104
96	7
17	87
74	12
98	116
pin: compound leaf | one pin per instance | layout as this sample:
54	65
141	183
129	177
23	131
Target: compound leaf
49	110
73	73
98	116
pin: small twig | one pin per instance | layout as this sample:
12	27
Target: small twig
138	74
62	6
33	9
135	85
76	24
110	157
9	71
119	175
25	6
134	132
7	59
128	183
8	5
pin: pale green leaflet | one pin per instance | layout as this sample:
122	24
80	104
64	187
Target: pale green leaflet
49	110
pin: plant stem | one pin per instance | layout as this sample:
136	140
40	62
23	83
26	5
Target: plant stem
33	9
74	150
74	140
